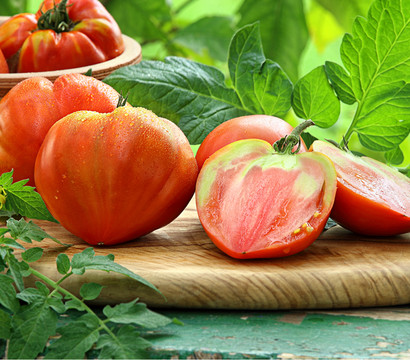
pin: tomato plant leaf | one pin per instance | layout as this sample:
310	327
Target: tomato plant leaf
32	254
8	293
5	328
394	157
128	344
76	339
313	98
63	263
90	291
23	199
261	84
86	260
283	30
135	313
376	59
17	270
32	325
27	231
341	82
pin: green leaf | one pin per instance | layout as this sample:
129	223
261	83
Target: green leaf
341	82
32	255
261	85
27	231
394	157
86	260
135	313
128	344
8	7
8	293
32	326
26	202
90	291
17	270
313	98
283	30
5	328
376	58
76	339
195	96
211	34
63	263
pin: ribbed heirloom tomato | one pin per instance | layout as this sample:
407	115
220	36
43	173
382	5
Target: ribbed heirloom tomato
4	68
63	34
372	198
30	108
259	201
110	178
263	127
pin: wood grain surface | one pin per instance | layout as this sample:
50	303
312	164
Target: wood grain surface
340	270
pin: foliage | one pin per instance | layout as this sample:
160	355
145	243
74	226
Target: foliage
30	316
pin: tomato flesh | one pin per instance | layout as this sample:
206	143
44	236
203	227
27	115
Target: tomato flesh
372	198
254	203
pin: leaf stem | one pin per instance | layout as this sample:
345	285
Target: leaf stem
346	137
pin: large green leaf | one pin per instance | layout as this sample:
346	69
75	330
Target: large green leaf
376	57
283	30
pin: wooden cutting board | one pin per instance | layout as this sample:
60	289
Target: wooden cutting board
340	270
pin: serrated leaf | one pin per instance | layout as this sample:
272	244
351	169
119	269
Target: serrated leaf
86	260
76	339
11	242
5	328
17	270
27	231
135	313
314	99
32	255
283	30
63	263
25	201
261	85
341	82
32	326
8	293
6	179
376	58
128	345
32	295
90	291
56	304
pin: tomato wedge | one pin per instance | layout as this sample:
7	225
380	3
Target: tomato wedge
263	127
372	198
255	201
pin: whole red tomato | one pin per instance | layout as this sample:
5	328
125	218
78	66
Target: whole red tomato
63	34
259	201
30	108
372	198
264	127
110	178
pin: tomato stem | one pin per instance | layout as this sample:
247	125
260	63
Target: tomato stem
122	100
56	19
287	143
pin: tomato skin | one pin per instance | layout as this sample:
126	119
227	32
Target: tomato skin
96	37
110	178
31	107
4	68
256	203
264	127
359	204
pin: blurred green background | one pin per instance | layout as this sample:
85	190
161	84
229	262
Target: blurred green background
298	34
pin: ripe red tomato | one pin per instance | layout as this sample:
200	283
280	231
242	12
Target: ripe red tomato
63	34
372	198
256	202
30	108
110	178
4	68
263	127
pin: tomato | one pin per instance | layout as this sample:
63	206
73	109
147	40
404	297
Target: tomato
64	35
256	200
264	127
29	109
110	178
372	198
4	68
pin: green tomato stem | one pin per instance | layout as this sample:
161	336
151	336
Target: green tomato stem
287	143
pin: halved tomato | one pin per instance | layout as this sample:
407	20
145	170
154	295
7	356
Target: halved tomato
256	202
263	127
372	198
